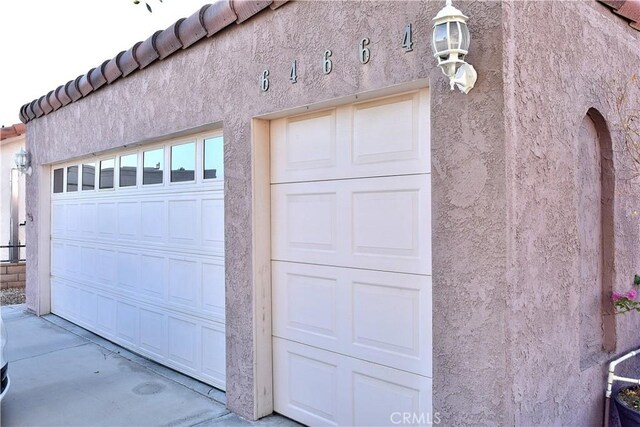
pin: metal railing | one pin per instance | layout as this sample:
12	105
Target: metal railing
14	253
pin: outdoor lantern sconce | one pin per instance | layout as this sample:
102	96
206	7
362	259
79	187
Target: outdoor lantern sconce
450	45
23	163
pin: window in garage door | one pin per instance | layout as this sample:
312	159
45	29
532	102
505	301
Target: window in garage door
139	258
351	262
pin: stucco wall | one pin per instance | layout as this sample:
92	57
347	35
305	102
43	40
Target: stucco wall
216	82
561	59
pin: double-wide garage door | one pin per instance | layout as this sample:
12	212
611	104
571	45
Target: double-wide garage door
351	263
138	251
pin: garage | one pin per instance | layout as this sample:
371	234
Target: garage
351	263
137	250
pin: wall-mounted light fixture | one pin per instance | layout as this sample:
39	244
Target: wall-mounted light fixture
450	45
23	162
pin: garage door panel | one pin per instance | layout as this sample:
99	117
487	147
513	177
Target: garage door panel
106	314
377	316
153	220
378	223
388	131
380	138
128	269
153	281
351	263
213	295
128	220
152	331
213	360
183	342
183	279
183	219
127	322
323	388
143	265
107	220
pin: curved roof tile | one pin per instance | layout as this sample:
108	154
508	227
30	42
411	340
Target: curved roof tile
29	110
37	109
23	118
84	85
12	131
628	9
192	29
245	9
44	103
218	16
96	77
147	51
128	62
62	96
112	70
168	40
208	20
72	90
53	100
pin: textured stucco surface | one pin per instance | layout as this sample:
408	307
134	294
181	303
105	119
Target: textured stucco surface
504	221
555	71
217	82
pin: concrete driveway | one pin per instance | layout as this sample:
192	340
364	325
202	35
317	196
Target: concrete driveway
63	375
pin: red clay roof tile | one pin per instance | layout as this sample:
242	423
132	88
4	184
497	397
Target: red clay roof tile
13	130
208	20
168	40
628	9
147	51
218	16
245	9
192	28
128	62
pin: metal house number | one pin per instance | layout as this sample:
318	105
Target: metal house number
327	65
364	56
407	39
264	81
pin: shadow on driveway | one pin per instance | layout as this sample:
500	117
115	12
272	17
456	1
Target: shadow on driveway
63	375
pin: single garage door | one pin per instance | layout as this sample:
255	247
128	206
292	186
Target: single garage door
137	250
351	263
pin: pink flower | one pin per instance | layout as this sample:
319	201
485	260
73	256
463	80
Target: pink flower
616	296
632	294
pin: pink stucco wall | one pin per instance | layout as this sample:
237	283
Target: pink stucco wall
505	211
561	59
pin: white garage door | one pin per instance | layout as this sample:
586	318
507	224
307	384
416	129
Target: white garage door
137	250
351	263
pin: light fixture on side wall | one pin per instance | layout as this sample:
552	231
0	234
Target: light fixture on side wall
23	162
450	45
